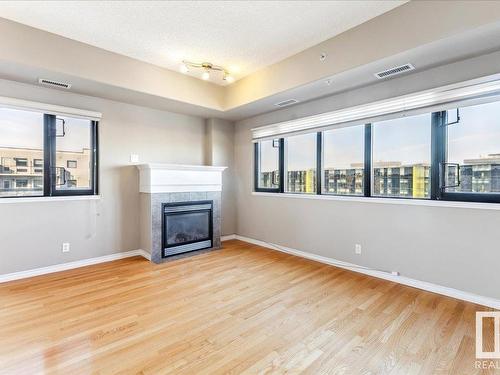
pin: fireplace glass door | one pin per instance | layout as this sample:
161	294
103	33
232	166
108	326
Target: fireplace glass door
187	226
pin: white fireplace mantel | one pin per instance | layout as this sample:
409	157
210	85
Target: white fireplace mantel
172	178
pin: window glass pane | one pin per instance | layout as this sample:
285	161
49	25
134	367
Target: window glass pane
21	153
343	160
268	164
401	157
474	144
73	154
300	163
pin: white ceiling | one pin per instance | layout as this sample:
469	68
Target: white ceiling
242	36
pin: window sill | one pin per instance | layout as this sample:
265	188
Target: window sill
50	199
396	201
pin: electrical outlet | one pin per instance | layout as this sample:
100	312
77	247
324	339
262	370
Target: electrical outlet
357	248
134	158
65	247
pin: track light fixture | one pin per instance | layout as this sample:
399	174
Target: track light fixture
207	69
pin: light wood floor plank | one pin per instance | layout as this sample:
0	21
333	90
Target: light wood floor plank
241	310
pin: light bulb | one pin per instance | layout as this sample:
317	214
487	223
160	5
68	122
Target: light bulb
184	68
205	76
229	79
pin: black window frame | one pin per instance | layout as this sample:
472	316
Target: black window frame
50	169
318	152
49	162
281	167
438	145
440	125
366	174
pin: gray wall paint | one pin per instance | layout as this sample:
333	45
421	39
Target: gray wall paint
32	233
453	247
220	152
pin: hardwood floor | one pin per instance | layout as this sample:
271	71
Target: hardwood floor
240	310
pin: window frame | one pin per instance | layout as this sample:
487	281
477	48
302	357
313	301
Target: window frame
50	151
441	133
318	164
431	181
49	157
438	157
281	168
366	175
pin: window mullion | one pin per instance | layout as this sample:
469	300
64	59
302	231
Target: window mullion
438	151
95	155
367	183
49	153
282	165
256	166
319	162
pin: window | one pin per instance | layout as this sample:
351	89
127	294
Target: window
300	163
21	138
72	164
471	165
21	183
73	141
21	162
40	147
343	161
267	162
401	160
443	155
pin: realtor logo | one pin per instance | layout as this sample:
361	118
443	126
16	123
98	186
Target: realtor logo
480	316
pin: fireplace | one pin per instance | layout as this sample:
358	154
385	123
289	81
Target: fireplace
180	210
186	226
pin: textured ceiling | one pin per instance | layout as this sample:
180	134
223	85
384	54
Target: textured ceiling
242	36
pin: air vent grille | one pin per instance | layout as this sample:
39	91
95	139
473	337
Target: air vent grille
286	103
394	71
52	83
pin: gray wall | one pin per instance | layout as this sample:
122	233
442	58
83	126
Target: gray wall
220	152
31	233
453	247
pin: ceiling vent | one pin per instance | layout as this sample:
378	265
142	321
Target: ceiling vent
394	71
52	83
286	103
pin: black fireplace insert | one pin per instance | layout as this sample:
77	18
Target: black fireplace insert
187	226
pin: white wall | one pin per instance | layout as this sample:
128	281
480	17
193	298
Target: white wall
453	247
31	233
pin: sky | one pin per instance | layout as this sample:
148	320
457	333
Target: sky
406	140
24	129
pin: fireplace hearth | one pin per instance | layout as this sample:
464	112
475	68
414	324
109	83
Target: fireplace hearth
186	226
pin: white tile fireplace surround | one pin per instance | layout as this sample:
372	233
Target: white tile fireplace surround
165	188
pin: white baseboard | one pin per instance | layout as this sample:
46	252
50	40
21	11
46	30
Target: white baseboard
71	265
228	237
450	292
430	287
